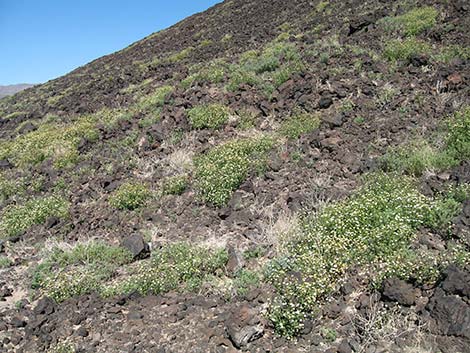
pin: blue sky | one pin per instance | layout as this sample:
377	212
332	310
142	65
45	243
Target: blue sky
44	39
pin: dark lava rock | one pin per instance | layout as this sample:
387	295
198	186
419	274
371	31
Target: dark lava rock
137	246
241	337
344	347
325	103
450	313
456	281
82	332
45	306
399	291
27	127
18	322
334	121
5	164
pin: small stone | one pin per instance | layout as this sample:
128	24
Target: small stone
399	291
137	246
325	103
18	322
82	332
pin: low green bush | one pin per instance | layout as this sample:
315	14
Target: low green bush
80	270
371	228
413	22
58	141
223	169
405	50
129	196
175	185
211	116
420	155
176	266
19	218
299	124
214	72
152	103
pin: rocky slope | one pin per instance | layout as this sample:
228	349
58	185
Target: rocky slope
266	176
10	90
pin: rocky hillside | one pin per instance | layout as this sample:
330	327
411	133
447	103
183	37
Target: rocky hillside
10	90
266	176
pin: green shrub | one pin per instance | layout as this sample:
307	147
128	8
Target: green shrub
152	103
267	69
299	124
245	280
183	54
175	185
19	218
176	266
81	270
405	50
226	167
370	228
458	135
129	196
413	22
5	262
448	53
10	187
214	72
211	116
416	158
58	141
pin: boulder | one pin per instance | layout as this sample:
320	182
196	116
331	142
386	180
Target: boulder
399	291
137	246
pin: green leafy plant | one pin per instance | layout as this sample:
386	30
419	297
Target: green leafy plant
175	185
5	262
129	196
152	103
58	141
371	228
211	116
176	266
19	218
413	22
80	270
405	50
225	167
299	124
245	280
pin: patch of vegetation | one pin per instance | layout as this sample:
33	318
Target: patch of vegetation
58	141
299	124
266	69
448	53
211	116
245	280
10	187
246	120
177	266
413	22
419	156
183	54
214	72
129	196
152	103
19	218
405	50
175	185
371	228
5	262
80	270
226	167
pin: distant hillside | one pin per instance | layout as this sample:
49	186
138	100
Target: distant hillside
10	90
